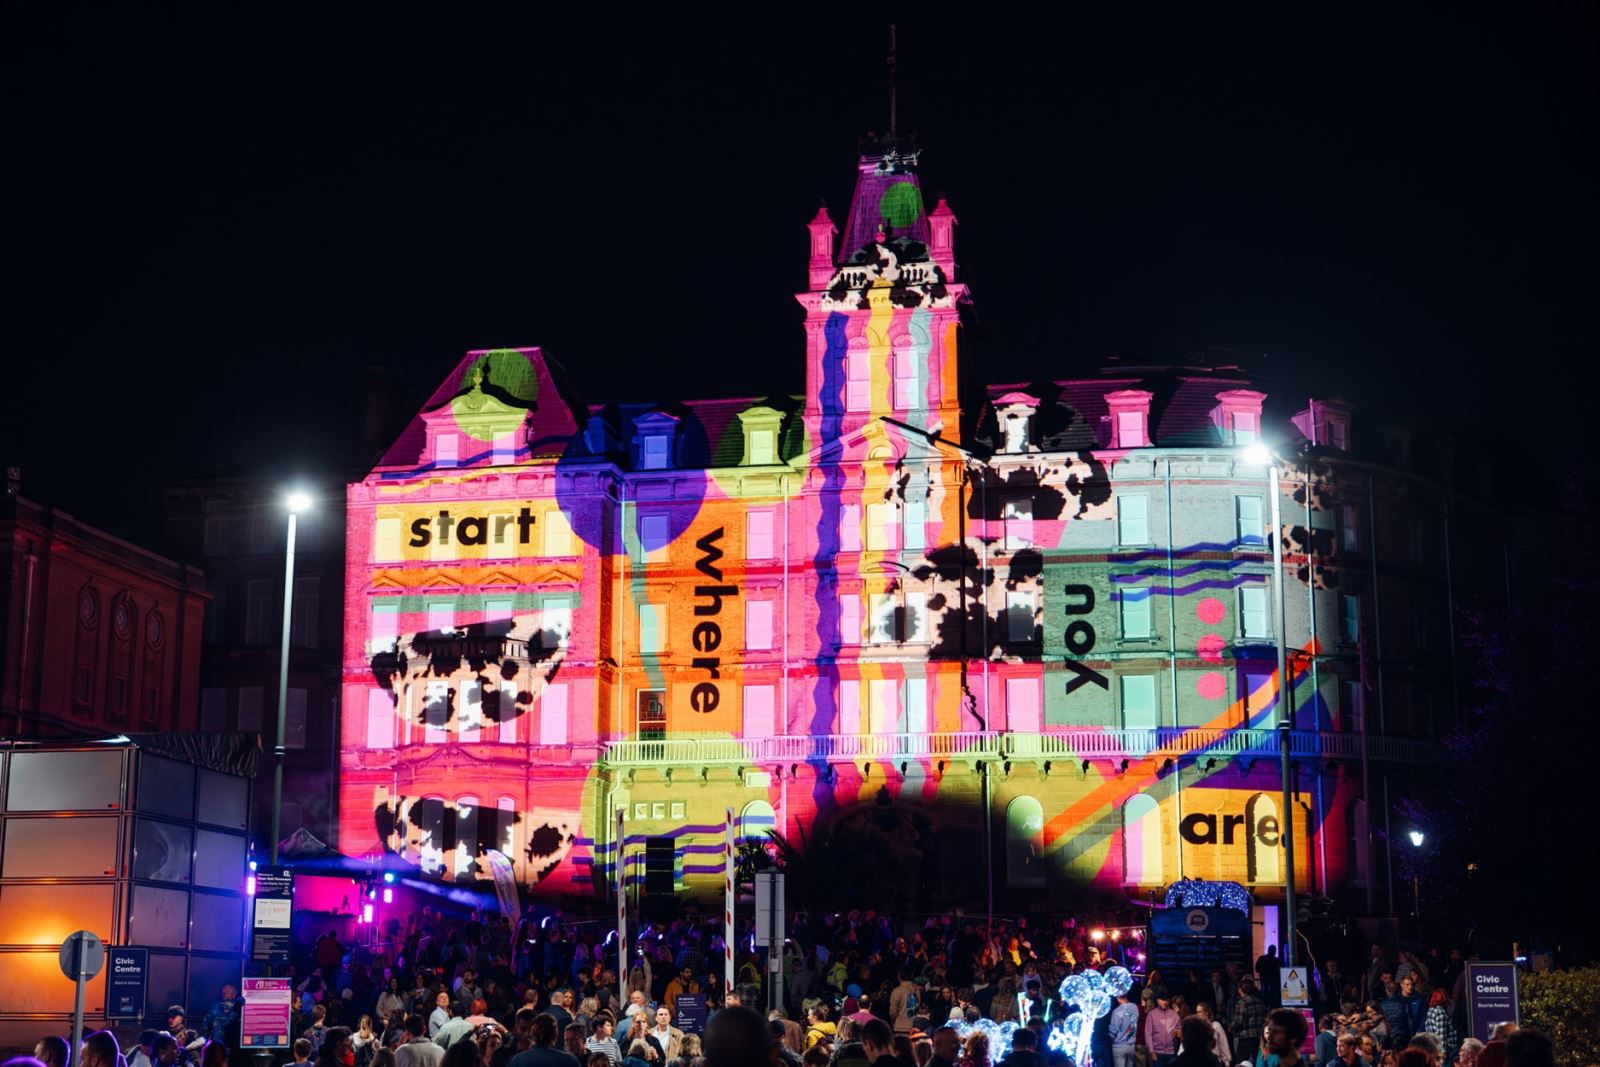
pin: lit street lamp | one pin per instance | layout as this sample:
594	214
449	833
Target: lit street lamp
1259	453
296	502
1417	838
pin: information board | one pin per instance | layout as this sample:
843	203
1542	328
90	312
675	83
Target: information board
125	982
264	1022
689	1013
1491	997
272	915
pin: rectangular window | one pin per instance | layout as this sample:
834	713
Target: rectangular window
216	619
653	452
258	611
1338	435
435	711
916	706
850	528
1130	429
849	619
1253	612
653	530
303	628
880	616
556	630
294	720
385	628
213	710
913	525
650	628
386	541
553	714
508	713
758	533
916	619
1251	530
1019	615
215	538
883	528
1017	515
1139	702
380	719
1349	528
1133	612
251	700
505	448
1351	706
557	533
1022	704
442	617
446	450
883	705
758	711
652	715
758	625
858	381
469	694
1246	427
906	394
1133	525
1350	618
1258	697
763	447
849	707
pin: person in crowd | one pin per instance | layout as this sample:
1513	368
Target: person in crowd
946	1044
1219	1045
99	1049
977	1050
454	1029
1268	970
1347	1051
1197	1039
666	1038
600	1039
1025	1050
364	1041
215	1054
53	1051
440	1014
419	1049
1160	1029
1284	1034
142	1054
543	1051
390	1000
1440	1021
1467	1054
383	1058
222	1021
1528	1047
1327	1039
1430	1047
1247	1022
301	1051
1405	1011
1124	1027
166	1050
575	1038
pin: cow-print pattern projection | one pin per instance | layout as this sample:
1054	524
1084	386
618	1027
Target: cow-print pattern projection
444	839
470	677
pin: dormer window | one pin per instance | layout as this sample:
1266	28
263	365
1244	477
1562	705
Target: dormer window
1238	415
446	449
653	435
1326	424
1130	418
760	435
1015	412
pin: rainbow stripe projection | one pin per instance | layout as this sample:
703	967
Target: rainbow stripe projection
894	602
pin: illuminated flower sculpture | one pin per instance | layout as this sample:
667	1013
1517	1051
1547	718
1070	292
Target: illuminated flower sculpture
1092	994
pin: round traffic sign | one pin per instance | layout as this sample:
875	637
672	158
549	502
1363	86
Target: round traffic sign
82	953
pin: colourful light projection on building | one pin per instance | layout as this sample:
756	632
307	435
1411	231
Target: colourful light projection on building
892	602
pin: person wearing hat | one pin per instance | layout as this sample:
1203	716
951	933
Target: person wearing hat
1161	1029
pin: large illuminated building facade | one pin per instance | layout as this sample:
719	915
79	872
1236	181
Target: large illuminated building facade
942	618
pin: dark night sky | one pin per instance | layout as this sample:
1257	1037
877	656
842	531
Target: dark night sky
216	220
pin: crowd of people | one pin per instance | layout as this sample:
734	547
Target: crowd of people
857	988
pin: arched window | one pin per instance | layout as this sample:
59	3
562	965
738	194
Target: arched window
424	844
505	827
124	624
86	666
1360	851
1263	839
465	853
1024	842
756	819
1141	841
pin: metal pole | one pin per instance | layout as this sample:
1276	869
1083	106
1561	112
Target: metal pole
78	957
622	915
729	936
1285	718
283	689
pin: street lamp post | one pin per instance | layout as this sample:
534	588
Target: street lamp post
296	503
1259	453
1417	838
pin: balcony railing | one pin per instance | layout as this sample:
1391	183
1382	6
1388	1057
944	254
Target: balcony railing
1161	744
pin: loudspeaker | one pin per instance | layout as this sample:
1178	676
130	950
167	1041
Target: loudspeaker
660	866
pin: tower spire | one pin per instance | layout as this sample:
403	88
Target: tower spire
891	84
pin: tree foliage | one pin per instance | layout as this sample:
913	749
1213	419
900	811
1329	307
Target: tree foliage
1564	1004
